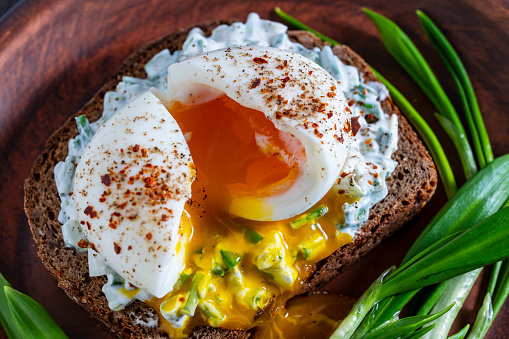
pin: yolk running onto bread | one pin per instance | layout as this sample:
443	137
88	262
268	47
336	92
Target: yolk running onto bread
239	153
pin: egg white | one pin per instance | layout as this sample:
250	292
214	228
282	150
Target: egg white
296	94
135	225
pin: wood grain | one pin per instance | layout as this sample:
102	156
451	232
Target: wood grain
54	55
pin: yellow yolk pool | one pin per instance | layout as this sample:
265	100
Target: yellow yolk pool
239	154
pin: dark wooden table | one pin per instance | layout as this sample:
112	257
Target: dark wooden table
55	54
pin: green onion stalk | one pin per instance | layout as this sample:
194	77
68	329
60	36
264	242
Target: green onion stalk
451	292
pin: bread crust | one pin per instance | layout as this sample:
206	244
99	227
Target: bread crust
411	186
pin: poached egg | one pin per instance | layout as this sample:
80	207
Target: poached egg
289	131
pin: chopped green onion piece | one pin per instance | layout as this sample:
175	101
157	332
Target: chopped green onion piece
308	217
252	236
217	270
182	280
214	317
311	247
231	259
193	296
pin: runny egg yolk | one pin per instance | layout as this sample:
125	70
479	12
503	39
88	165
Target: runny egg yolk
239	153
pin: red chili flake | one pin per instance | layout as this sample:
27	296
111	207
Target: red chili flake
341	191
92	246
318	134
164	217
123	205
90	212
117	248
116	214
310	72
370	182
355	125
347	127
102	199
82	222
278	115
105	179
375	166
144	152
113	225
149	236
82	243
370	118
344	174
331	94
182	299
129	247
367	142
89	226
260	60
255	83
333	88
375	175
330	114
351	102
341	139
70	193
136	148
285	79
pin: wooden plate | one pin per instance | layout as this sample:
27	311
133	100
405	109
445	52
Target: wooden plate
55	54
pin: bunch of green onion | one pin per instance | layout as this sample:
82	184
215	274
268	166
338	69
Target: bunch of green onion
438	272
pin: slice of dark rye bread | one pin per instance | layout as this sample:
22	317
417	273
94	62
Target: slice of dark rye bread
411	186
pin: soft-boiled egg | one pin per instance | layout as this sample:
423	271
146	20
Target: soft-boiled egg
297	112
267	130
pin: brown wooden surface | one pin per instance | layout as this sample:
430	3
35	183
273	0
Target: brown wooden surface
55	54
